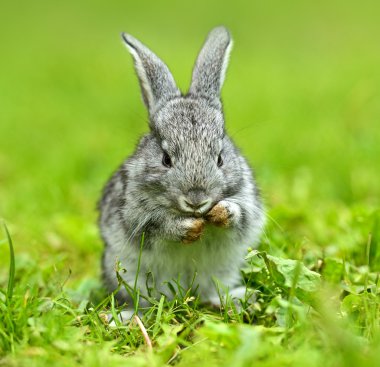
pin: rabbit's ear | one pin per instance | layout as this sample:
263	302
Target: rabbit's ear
210	68
156	82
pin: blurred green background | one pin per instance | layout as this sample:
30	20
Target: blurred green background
302	100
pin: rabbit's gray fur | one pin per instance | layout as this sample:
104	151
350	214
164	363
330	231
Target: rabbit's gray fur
145	196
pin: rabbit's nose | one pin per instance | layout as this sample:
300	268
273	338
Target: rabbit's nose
196	205
195	201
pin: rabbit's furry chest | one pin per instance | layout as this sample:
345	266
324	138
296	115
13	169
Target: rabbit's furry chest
214	255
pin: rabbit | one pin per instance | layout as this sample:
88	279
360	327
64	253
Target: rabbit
186	188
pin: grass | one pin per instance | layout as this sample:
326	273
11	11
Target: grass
301	100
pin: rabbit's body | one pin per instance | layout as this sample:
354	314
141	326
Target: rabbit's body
186	187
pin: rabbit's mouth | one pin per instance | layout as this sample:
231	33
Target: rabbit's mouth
194	214
195	205
198	214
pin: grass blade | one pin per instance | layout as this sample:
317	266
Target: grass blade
12	267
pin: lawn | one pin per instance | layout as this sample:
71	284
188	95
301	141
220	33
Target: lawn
302	101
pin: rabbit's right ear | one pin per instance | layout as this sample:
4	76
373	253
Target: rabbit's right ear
156	82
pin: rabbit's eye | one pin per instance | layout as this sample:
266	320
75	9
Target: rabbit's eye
166	161
220	161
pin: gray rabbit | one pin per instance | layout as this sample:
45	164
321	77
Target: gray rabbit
186	187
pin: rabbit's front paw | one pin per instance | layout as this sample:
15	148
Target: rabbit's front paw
219	215
193	230
223	214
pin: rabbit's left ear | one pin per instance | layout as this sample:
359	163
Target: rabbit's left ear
156	81
210	68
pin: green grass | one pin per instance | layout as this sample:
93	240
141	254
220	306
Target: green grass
301	100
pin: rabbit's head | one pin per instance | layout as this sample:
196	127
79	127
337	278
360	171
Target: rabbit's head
187	162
